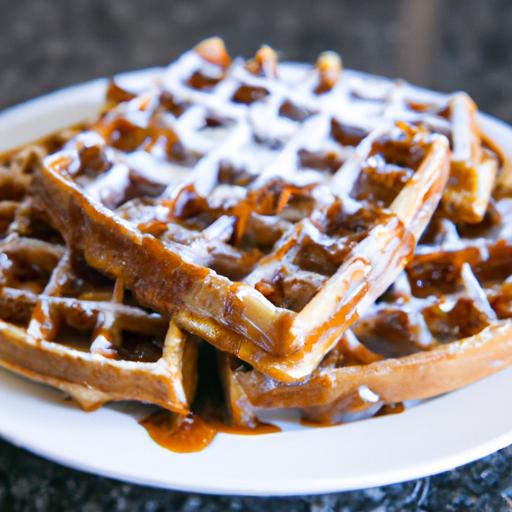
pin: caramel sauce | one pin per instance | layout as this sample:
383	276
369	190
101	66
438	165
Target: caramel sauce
201	81
248	94
193	433
388	409
260	428
347	135
180	434
306	422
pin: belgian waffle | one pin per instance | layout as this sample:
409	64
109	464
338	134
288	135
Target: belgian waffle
444	323
282	217
64	324
265	214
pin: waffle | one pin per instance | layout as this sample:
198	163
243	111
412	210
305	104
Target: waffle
343	242
266	214
444	323
64	324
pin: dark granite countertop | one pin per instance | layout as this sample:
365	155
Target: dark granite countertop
29	483
442	44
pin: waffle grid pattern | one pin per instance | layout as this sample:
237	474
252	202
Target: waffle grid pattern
264	209
263	194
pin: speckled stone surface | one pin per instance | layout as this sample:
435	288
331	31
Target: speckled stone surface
442	44
28	483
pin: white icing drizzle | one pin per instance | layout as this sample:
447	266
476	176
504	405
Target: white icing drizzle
476	293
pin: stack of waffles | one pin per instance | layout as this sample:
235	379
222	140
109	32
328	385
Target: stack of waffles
342	242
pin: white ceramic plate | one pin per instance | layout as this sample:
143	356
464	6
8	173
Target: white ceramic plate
434	436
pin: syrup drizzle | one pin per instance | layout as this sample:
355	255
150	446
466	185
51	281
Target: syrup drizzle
180	434
388	409
193	433
197	430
